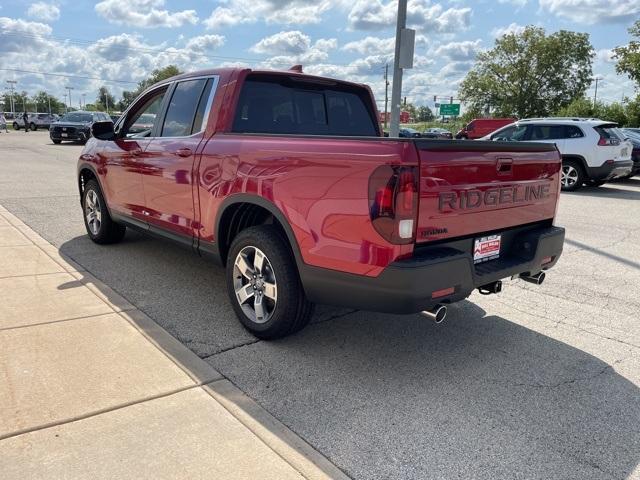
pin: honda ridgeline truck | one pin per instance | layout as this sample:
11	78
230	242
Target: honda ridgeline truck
286	179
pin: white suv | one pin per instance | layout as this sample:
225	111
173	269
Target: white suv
592	152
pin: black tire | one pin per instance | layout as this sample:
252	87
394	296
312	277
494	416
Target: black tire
57	142
16	126
106	230
291	311
572	176
33	126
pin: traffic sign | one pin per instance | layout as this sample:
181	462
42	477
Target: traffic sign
450	109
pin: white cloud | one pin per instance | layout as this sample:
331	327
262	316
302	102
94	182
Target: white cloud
293	47
459	51
12	31
593	11
509	29
45	12
294	43
515	3
422	15
144	13
371	46
287	12
605	55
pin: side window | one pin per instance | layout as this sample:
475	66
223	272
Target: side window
142	117
546	132
571	131
511	134
181	113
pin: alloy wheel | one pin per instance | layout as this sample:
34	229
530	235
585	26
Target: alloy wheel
254	282
569	176
93	212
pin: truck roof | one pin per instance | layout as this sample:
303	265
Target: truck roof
231	70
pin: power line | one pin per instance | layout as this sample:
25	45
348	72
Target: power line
66	75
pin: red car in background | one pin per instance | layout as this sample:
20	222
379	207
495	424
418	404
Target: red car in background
479	127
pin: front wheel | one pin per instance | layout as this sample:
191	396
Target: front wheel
263	284
16	126
572	176
100	227
57	142
33	126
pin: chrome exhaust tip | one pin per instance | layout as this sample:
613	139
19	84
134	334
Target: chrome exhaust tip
437	314
537	279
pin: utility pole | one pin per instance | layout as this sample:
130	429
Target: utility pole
386	92
66	109
69	89
49	100
396	91
595	95
11	86
84	100
106	102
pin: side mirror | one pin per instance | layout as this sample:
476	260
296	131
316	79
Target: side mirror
103	130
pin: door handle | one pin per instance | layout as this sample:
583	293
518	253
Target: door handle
504	166
184	152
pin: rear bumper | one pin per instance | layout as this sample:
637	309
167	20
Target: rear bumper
407	286
609	171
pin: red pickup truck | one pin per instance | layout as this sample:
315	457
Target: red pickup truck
286	179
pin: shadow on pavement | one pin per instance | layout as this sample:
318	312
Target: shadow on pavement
386	396
609	190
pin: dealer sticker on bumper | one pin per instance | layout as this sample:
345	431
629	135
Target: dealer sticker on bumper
486	248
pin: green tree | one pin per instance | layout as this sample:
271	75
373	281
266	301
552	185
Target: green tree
157	75
42	100
628	56
530	73
105	100
424	114
614	112
632	110
579	107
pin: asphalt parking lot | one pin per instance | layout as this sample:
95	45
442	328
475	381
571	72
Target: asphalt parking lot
537	382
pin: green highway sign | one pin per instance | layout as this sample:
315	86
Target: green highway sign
452	109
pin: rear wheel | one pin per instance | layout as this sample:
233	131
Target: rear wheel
572	175
56	141
263	284
100	227
33	126
16	126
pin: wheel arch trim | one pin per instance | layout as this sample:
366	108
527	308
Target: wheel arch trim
239	198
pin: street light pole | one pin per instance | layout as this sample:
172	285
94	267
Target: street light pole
69	89
106	101
595	95
11	86
396	90
386	92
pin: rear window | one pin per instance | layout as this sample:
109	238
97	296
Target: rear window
281	105
607	131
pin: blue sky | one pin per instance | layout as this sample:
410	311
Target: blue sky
121	41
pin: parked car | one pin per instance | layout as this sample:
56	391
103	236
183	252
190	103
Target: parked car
479	127
633	135
114	117
75	126
592	152
407	132
437	133
286	179
36	120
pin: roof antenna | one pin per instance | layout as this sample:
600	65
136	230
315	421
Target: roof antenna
296	68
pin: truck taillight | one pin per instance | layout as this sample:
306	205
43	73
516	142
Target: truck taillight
393	202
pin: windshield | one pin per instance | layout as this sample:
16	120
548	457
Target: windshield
77	117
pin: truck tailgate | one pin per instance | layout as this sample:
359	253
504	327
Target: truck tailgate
472	187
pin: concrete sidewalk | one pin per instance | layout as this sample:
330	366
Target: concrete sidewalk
90	387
